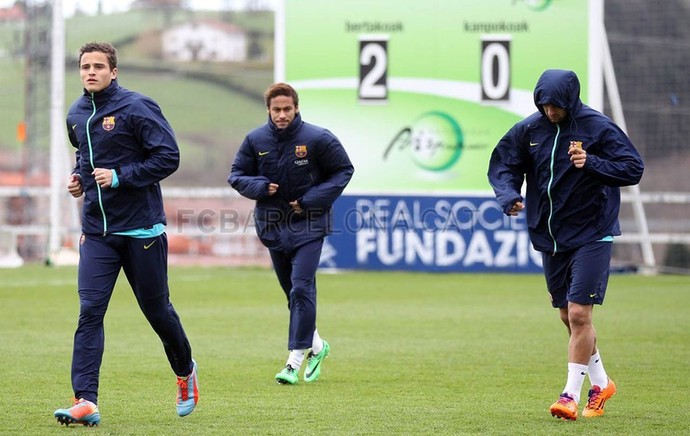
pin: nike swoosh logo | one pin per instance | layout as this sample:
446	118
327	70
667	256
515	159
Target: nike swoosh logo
74	126
532	144
592	295
263	153
146	247
315	368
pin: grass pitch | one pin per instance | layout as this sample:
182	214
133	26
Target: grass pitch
411	354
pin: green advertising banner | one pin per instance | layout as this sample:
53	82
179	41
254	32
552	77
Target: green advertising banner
419	92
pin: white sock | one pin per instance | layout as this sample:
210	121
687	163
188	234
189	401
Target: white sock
295	359
596	371
576	376
316	343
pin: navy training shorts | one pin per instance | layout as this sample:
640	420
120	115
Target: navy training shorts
579	276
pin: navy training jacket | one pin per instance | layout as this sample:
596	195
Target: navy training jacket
308	163
566	207
126	131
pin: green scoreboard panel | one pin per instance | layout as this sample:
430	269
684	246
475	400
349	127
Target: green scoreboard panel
419	92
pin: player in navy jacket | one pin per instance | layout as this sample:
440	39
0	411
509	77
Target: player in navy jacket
295	171
129	135
574	160
125	147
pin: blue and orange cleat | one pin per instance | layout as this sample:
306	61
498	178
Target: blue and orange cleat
187	392
83	412
565	408
597	399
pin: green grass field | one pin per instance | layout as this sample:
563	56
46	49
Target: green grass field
411	354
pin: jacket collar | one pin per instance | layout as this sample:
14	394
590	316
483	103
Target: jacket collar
289	130
104	94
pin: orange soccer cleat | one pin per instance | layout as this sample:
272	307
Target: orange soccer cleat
597	399
565	408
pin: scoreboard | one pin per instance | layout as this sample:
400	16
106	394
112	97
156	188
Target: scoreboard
419	93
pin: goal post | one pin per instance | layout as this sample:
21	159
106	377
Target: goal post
58	171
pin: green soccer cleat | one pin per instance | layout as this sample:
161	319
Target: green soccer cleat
287	376
314	363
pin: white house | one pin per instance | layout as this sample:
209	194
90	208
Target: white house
205	41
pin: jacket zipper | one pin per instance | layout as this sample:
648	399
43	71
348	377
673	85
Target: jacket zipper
548	189
93	166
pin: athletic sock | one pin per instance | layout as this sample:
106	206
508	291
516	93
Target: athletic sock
576	376
596	371
295	359
316	343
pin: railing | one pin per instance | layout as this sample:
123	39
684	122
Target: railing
221	193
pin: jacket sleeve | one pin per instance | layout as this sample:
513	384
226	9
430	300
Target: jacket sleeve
159	147
73	140
338	170
244	176
617	162
507	168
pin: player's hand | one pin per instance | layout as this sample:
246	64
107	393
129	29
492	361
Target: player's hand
104	177
517	207
74	186
577	156
272	188
296	207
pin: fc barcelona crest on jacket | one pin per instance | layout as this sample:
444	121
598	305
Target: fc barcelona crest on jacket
301	151
108	123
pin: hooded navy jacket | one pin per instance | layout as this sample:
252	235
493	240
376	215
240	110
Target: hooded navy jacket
308	163
567	207
122	130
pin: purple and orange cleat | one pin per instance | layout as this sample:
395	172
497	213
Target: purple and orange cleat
565	408
597	399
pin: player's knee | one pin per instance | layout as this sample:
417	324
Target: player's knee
579	315
301	290
563	314
157	311
297	293
91	313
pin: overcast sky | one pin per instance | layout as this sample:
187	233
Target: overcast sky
109	6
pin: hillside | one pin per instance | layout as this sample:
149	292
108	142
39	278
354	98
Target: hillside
210	105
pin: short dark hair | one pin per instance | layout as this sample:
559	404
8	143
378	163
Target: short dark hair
101	47
280	88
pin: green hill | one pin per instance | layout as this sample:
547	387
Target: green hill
210	106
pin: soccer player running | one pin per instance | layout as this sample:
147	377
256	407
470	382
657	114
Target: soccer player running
574	160
125	147
295	171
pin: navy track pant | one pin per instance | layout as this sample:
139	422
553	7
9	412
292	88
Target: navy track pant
145	264
296	271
